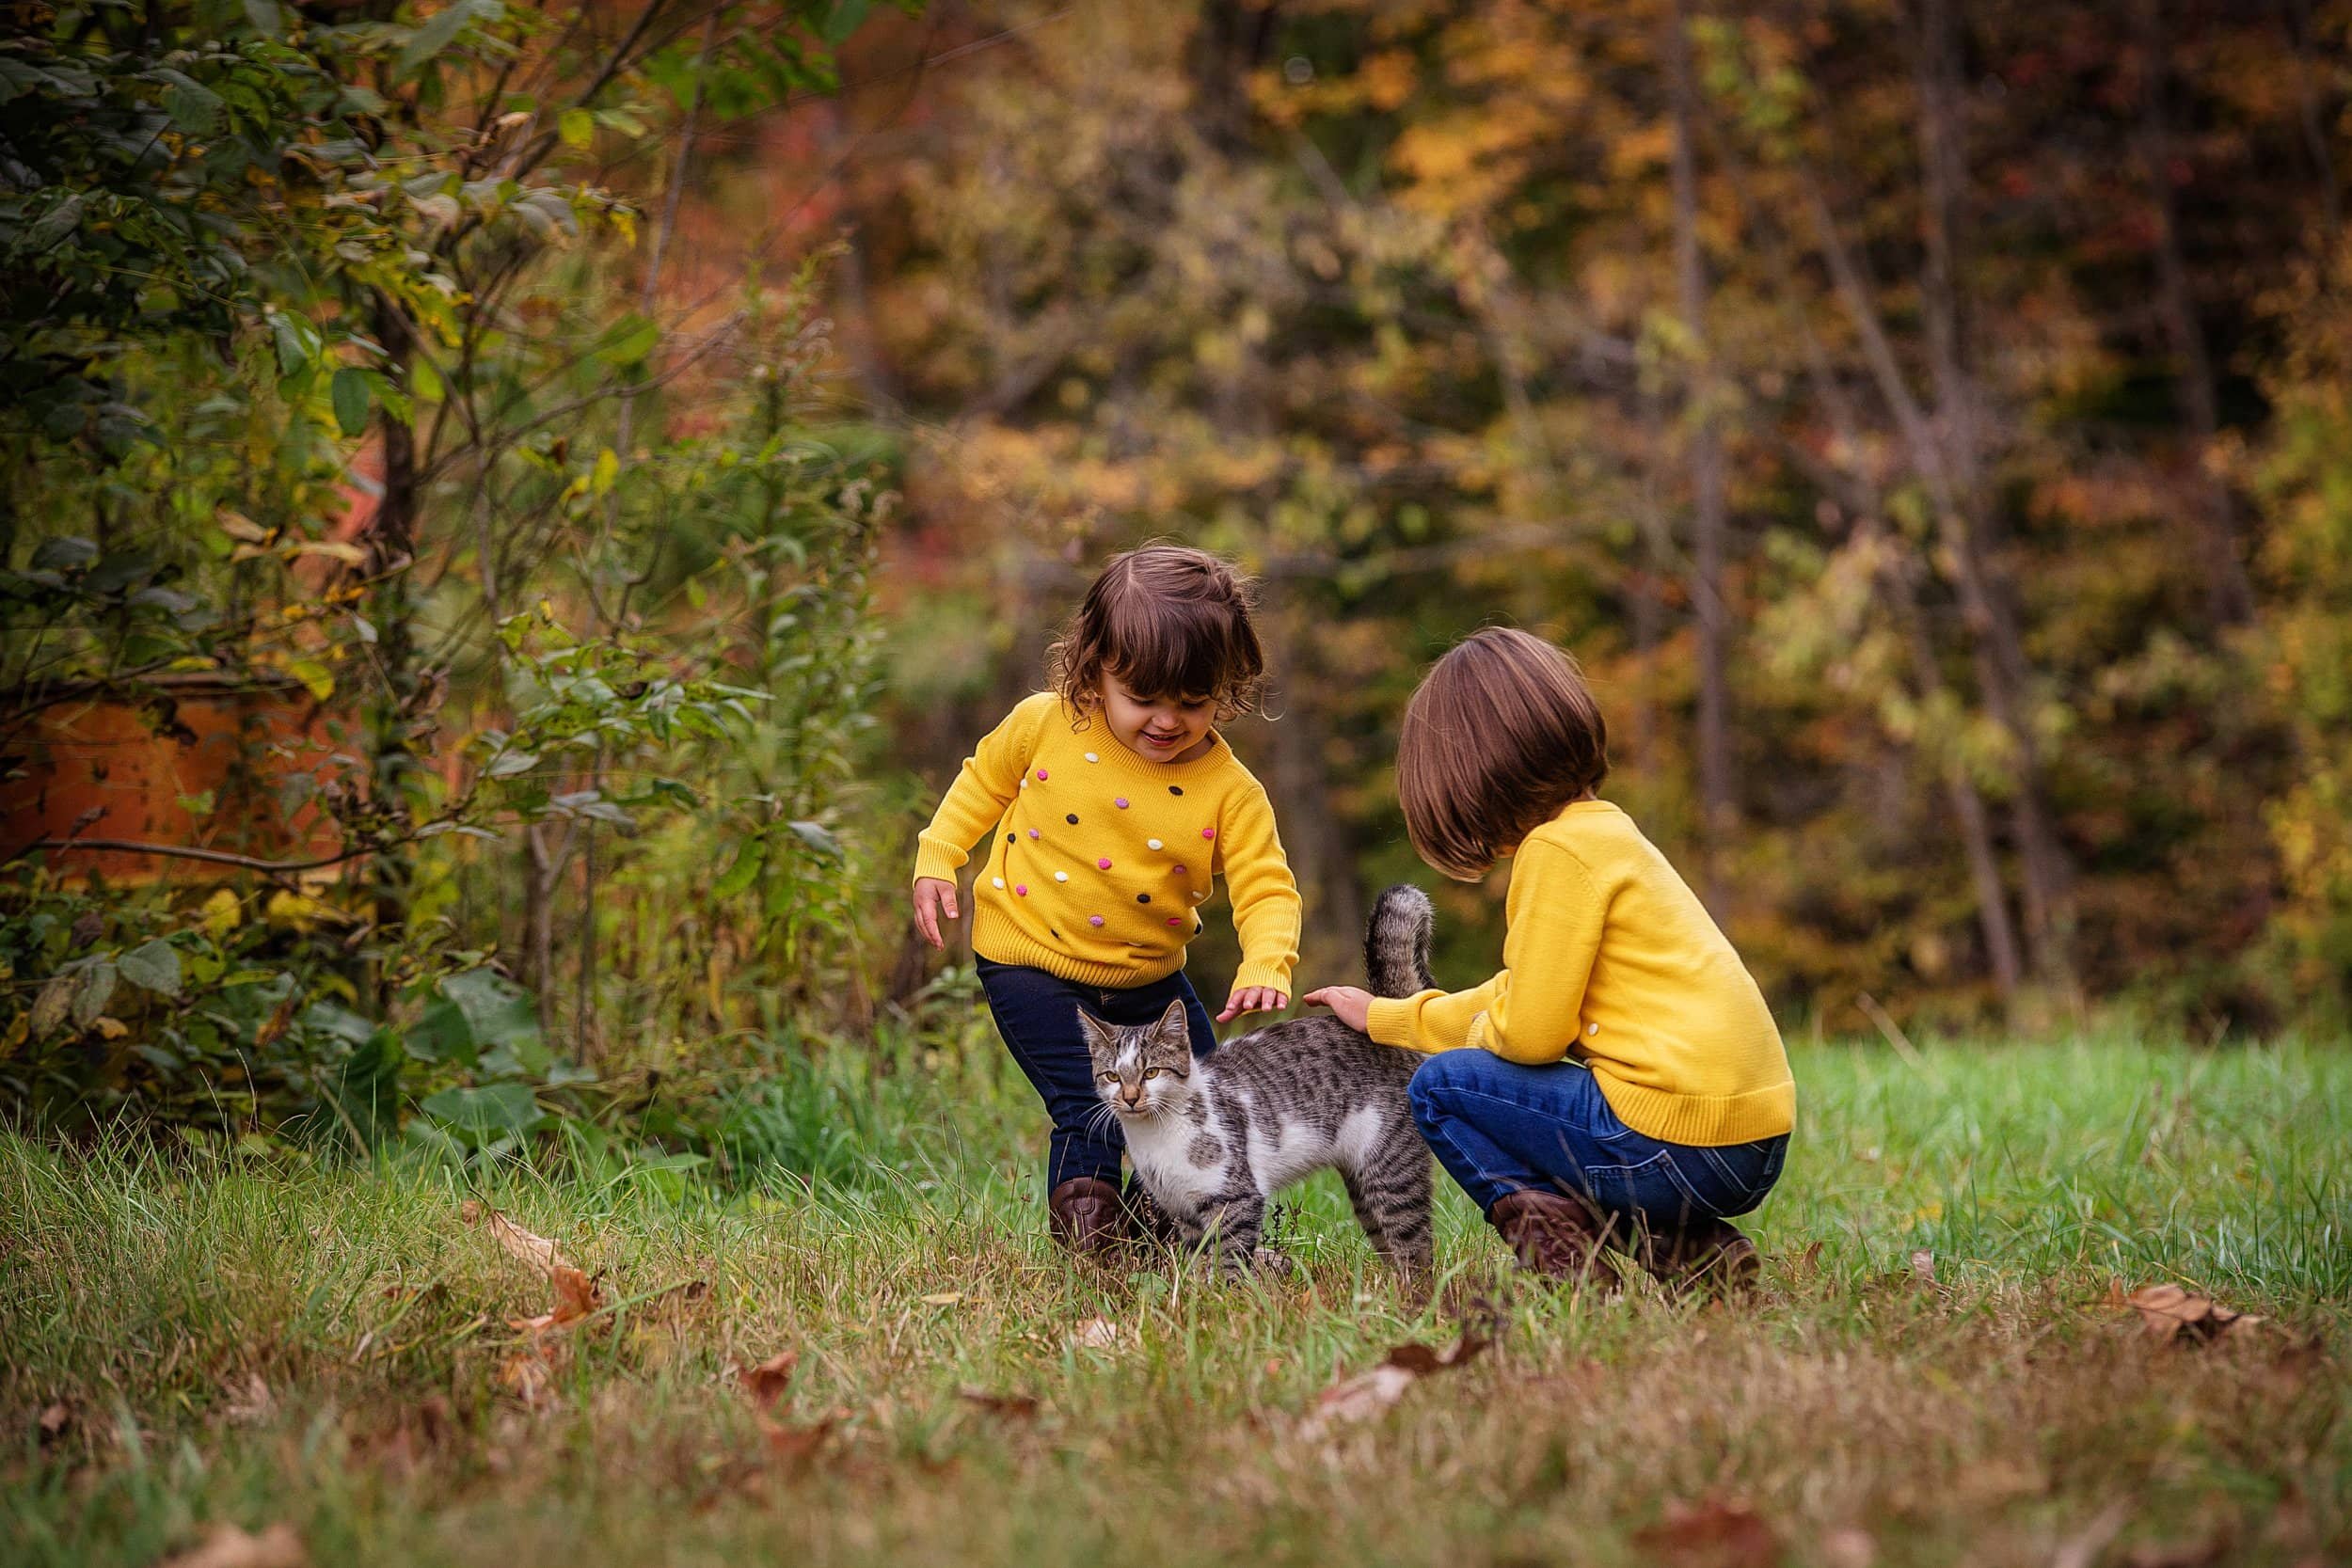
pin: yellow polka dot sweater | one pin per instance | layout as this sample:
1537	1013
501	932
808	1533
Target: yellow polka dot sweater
1098	860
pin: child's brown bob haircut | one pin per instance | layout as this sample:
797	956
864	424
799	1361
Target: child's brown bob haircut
1167	622
1502	733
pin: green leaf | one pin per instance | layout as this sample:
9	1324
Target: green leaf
98	988
498	1012
56	555
442	30
441	1036
507	764
315	677
629	340
350	394
577	127
748	860
494	1111
265	16
153	966
51	1005
193	106
817	837
844	19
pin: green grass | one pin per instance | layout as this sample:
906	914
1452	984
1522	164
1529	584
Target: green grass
2000	1415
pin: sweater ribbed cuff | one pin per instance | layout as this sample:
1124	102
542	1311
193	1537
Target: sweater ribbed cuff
1276	977
934	859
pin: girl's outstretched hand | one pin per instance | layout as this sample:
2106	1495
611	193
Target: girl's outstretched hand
1350	1004
1252	999
933	900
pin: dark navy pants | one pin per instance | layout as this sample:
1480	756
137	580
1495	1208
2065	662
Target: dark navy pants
1037	1013
1500	1126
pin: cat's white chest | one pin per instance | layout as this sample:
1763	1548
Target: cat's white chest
1162	1149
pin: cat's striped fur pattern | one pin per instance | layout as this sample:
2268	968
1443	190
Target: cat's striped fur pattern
1214	1140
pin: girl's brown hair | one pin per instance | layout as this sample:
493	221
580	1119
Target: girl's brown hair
1502	733
1167	620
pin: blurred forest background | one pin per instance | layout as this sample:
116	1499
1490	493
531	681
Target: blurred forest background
511	512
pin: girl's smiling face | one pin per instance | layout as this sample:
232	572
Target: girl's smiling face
1160	728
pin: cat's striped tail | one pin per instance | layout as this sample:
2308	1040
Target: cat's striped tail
1396	943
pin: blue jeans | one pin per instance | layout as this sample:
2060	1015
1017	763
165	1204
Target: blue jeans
1498	1127
1037	1013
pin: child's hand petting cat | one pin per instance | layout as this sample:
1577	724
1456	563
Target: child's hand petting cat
1252	999
933	900
1350	1004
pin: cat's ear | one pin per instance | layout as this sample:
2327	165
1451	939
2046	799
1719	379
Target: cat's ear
1102	1040
1173	1032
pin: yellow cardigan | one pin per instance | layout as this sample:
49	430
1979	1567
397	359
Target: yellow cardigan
1610	959
1097	858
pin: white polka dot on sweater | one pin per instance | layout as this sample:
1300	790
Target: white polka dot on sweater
1061	875
1153	843
997	881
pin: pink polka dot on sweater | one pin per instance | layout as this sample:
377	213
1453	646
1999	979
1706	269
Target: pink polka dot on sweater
1120	802
1020	888
1103	865
1033	833
1040	775
1179	871
1175	920
1208	832
1094	920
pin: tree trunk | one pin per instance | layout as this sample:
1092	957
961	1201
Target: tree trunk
394	717
1717	811
1998	649
2229	596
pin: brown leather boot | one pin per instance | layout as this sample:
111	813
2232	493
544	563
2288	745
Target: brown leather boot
1555	1235
1085	1216
1711	1256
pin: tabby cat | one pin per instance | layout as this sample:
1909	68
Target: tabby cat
1212	1140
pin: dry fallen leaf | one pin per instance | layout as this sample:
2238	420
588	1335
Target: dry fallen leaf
529	1376
2172	1315
1095	1334
227	1547
1712	1533
537	1251
1848	1546
575	1297
942	1298
1017	1408
794	1445
1923	1266
250	1401
1367	1394
55	1420
767	1382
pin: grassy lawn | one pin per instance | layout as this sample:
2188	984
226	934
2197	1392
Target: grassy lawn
258	1339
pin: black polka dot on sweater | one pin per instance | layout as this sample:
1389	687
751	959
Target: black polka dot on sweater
1143	899
1175	789
1012	838
1072	819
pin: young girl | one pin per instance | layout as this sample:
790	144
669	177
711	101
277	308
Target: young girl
1626	1086
1110	802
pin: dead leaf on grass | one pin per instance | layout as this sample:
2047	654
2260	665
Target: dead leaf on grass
941	1298
250	1401
55	1421
1714	1532
1367	1394
1096	1334
2174	1315
1848	1546
227	1547
794	1445
535	1250
1014	1407
575	1297
767	1382
1923	1266
530	1375
2082	1548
